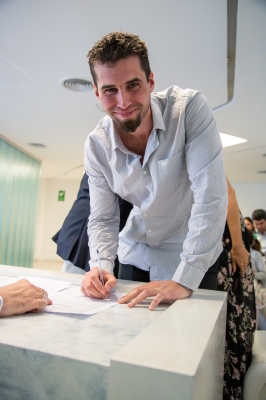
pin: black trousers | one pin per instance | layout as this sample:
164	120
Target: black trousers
131	273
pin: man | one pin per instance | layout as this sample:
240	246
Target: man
21	297
72	238
259	220
161	152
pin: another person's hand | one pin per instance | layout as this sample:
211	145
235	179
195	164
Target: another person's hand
162	290
21	297
92	287
240	258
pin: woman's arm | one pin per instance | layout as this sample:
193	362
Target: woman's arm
239	255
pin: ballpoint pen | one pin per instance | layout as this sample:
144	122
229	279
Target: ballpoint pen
100	268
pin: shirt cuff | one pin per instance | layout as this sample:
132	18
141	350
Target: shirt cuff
107	265
188	275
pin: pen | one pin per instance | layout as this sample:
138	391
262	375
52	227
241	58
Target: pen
100	268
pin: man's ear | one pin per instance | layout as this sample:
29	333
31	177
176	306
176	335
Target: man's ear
151	82
96	92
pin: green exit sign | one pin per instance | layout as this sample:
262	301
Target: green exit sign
61	195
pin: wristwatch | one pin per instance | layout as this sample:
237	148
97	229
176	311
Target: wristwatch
190	291
1	302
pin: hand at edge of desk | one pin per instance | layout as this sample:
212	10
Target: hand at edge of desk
162	290
21	297
92	287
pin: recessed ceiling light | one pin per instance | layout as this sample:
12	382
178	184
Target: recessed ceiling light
40	145
76	84
229	140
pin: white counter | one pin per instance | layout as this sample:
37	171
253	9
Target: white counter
175	352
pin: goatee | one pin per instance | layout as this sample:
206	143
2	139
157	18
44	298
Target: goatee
129	125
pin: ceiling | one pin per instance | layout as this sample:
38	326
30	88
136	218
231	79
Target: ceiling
44	41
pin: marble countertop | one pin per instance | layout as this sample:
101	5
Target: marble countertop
92	338
120	353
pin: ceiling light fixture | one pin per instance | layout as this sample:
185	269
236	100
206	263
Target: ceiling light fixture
76	84
229	140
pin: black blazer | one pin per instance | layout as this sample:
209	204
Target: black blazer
72	238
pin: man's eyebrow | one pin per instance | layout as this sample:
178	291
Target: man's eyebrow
133	81
127	83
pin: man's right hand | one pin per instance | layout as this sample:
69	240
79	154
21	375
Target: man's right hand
92	286
21	297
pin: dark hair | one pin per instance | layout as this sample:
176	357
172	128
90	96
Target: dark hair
250	220
115	46
255	245
259	214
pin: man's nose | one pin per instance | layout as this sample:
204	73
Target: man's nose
123	100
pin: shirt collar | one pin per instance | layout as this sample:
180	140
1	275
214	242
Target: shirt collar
158	123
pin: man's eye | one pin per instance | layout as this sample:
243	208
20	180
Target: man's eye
133	85
110	90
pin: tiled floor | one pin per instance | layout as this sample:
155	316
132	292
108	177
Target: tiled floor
48	265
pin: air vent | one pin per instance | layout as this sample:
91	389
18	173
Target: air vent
76	84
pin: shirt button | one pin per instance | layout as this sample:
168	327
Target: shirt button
149	230
144	172
145	215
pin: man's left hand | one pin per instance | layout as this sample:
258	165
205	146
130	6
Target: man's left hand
162	290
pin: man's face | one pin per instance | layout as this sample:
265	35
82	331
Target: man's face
260	225
124	92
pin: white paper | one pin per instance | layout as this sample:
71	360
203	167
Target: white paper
73	301
6	280
51	286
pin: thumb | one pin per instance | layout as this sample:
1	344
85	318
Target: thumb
110	283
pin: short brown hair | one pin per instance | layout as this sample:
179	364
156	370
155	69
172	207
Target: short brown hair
114	47
259	214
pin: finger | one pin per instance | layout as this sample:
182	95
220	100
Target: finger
36	305
129	296
158	298
133	293
97	285
242	269
90	291
142	296
45	295
83	291
88	284
233	267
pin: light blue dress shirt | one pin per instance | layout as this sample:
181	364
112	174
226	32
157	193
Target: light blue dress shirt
179	192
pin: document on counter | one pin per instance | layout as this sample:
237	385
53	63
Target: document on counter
73	301
51	286
6	280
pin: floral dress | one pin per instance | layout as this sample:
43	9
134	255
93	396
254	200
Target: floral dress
240	321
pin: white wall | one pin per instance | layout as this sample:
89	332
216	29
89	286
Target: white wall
51	214
250	196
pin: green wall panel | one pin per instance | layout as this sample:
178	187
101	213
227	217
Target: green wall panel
19	186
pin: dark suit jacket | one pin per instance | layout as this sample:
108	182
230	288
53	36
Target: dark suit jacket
72	239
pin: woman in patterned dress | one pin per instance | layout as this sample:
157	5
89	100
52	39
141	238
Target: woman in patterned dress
236	278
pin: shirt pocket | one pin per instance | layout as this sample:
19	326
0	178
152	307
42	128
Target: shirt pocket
172	171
